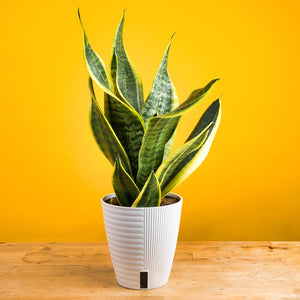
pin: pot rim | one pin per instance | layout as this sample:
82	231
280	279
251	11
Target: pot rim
135	208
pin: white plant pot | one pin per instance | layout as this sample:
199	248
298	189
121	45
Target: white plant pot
142	242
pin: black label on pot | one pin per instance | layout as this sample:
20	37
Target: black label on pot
143	280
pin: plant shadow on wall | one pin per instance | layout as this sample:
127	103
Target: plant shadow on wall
136	136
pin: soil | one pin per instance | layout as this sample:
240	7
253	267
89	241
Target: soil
167	200
113	201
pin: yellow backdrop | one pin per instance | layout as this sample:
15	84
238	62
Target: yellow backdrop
53	174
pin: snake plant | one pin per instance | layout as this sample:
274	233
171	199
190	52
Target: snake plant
135	135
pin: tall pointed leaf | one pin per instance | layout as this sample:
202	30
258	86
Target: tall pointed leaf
163	97
159	130
150	195
124	187
128	81
104	135
188	157
127	124
95	64
131	139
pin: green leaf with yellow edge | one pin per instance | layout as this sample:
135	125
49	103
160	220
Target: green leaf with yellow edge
104	135
125	189
107	106
129	128
150	195
173	170
128	81
95	64
158	132
211	114
127	124
169	145
186	159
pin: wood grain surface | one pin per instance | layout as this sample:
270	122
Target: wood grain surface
201	270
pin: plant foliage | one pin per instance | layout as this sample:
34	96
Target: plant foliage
136	135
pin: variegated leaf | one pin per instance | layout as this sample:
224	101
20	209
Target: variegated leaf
211	114
104	135
129	128
128	81
150	195
95	64
127	124
188	157
159	130
169	145
107	106
125	189
163	97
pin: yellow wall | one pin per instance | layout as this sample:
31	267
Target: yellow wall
53	174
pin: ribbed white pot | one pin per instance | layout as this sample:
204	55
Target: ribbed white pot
142	242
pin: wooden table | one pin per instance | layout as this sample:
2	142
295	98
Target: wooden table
201	270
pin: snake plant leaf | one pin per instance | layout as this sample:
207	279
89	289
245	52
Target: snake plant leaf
96	69
128	81
188	157
163	97
192	100
95	64
127	124
113	70
113	75
150	195
129	128
169	145
124	187
158	132
174	166
104	135
212	114
107	106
